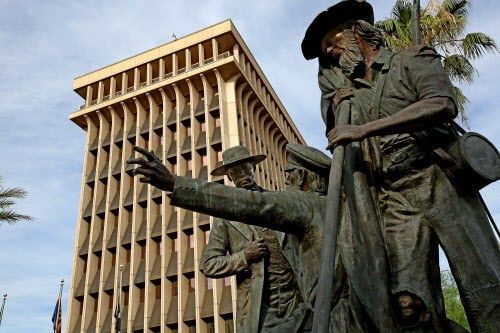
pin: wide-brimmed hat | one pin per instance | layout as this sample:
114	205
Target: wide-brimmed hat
336	15
234	156
305	157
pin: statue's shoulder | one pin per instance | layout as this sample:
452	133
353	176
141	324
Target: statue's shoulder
219	223
416	51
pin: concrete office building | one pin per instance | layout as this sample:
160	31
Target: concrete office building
187	100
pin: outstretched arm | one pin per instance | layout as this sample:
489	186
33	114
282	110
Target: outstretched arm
287	211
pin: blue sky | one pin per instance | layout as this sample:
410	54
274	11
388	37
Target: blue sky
46	44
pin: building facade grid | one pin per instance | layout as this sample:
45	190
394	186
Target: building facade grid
187	101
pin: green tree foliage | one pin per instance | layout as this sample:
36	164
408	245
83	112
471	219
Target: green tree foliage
454	309
7	196
442	24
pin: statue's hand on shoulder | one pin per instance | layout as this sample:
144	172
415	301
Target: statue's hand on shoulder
342	94
256	250
152	170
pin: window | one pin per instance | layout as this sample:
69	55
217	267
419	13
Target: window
174	288
227	281
209	283
158	291
125	298
84	266
141	295
192	285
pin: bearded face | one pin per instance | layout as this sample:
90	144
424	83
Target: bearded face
342	49
351	60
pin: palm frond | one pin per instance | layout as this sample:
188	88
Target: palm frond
5	202
388	26
458	8
403	32
12	217
449	25
462	101
401	11
14	192
459	68
476	44
396	35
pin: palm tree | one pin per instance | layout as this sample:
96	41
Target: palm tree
443	25
7	196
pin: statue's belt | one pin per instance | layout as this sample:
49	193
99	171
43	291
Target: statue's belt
398	162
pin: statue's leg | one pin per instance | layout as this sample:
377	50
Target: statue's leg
412	250
466	237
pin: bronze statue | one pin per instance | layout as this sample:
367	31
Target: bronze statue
269	298
298	212
267	288
401	105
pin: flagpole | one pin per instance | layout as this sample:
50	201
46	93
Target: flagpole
59	310
3	306
117	313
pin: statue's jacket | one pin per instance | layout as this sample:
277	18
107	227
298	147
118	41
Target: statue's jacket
228	236
298	214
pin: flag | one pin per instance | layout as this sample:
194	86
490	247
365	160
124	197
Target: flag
56	317
3	307
118	317
118	313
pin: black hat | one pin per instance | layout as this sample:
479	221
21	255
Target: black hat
305	157
336	15
234	156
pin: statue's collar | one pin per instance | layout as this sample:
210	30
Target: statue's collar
381	61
